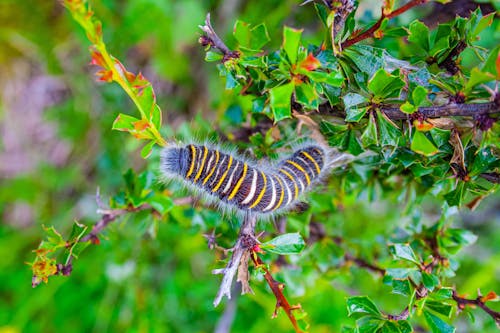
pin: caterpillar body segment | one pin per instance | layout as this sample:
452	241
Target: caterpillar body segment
235	183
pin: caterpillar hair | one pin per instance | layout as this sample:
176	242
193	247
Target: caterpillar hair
236	183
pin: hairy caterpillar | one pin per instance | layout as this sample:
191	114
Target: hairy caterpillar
236	183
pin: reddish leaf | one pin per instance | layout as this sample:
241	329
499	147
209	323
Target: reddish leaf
310	63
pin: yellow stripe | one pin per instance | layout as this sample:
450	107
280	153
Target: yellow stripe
282	195
238	184
294	183
193	157
261	194
213	169
205	153
301	169
312	160
224	174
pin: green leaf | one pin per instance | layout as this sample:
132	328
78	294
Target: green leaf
281	101
147	149
390	327
430	281
251	39
436	324
212	56
355	106
490	64
422	145
419	96
401	287
455	197
483	23
259	37
389	132
307	96
124	122
241	32
439	307
292	243
408	108
419	34
356	114
334	78
161	203
291	42
54	238
484	161
370	135
362	304
385	85
404	251
336	134
477	77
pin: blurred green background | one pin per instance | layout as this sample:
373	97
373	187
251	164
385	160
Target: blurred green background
57	147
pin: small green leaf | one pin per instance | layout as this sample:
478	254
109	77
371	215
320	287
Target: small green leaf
439	307
477	77
362	304
355	114
161	203
212	56
390	327
147	149
404	251
124	122
401	287
419	34
336	134
291	42
422	145
419	96
455	197
389	132
430	281
370	135
281	101
408	108
385	85
436	324
307	96
292	243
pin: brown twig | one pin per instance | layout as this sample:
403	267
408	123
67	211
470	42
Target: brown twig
211	39
277	289
362	263
449	110
479	301
355	38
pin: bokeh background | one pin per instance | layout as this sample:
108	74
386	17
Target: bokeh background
56	149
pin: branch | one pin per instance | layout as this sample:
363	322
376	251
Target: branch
355	38
244	244
449	110
480	302
212	40
277	289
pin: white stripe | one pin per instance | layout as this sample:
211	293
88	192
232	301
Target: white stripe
302	187
228	185
309	167
273	196
253	189
219	169
209	164
288	191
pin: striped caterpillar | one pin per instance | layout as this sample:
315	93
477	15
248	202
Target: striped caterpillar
235	183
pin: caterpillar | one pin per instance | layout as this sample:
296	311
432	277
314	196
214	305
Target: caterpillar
236	183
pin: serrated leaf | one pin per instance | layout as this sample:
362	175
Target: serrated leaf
436	324
455	197
291	42
285	244
430	281
281	101
362	304
401	287
422	145
124	122
404	251
307	96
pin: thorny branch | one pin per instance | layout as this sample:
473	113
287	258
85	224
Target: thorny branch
277	289
479	301
448	110
211	39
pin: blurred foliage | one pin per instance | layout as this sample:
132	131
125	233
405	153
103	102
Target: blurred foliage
152	272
